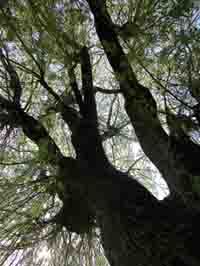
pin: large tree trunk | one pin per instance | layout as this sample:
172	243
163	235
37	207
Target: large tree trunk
136	228
145	231
159	235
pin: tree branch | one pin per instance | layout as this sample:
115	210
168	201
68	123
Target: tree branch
75	89
33	129
90	111
14	78
106	91
49	89
141	107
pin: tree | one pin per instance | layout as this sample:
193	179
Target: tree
79	79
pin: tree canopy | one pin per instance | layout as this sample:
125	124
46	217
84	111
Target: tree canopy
99	126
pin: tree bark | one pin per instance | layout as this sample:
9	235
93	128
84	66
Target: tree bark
136	228
149	232
171	160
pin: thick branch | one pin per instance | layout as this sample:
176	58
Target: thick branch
140	106
32	129
70	172
15	84
90	111
85	135
75	89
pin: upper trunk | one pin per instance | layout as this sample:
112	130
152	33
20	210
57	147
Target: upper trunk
170	159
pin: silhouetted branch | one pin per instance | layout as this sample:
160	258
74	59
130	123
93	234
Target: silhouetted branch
32	128
75	89
106	91
87	86
15	84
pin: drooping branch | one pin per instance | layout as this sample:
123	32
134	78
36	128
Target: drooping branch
140	106
32	128
15	84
